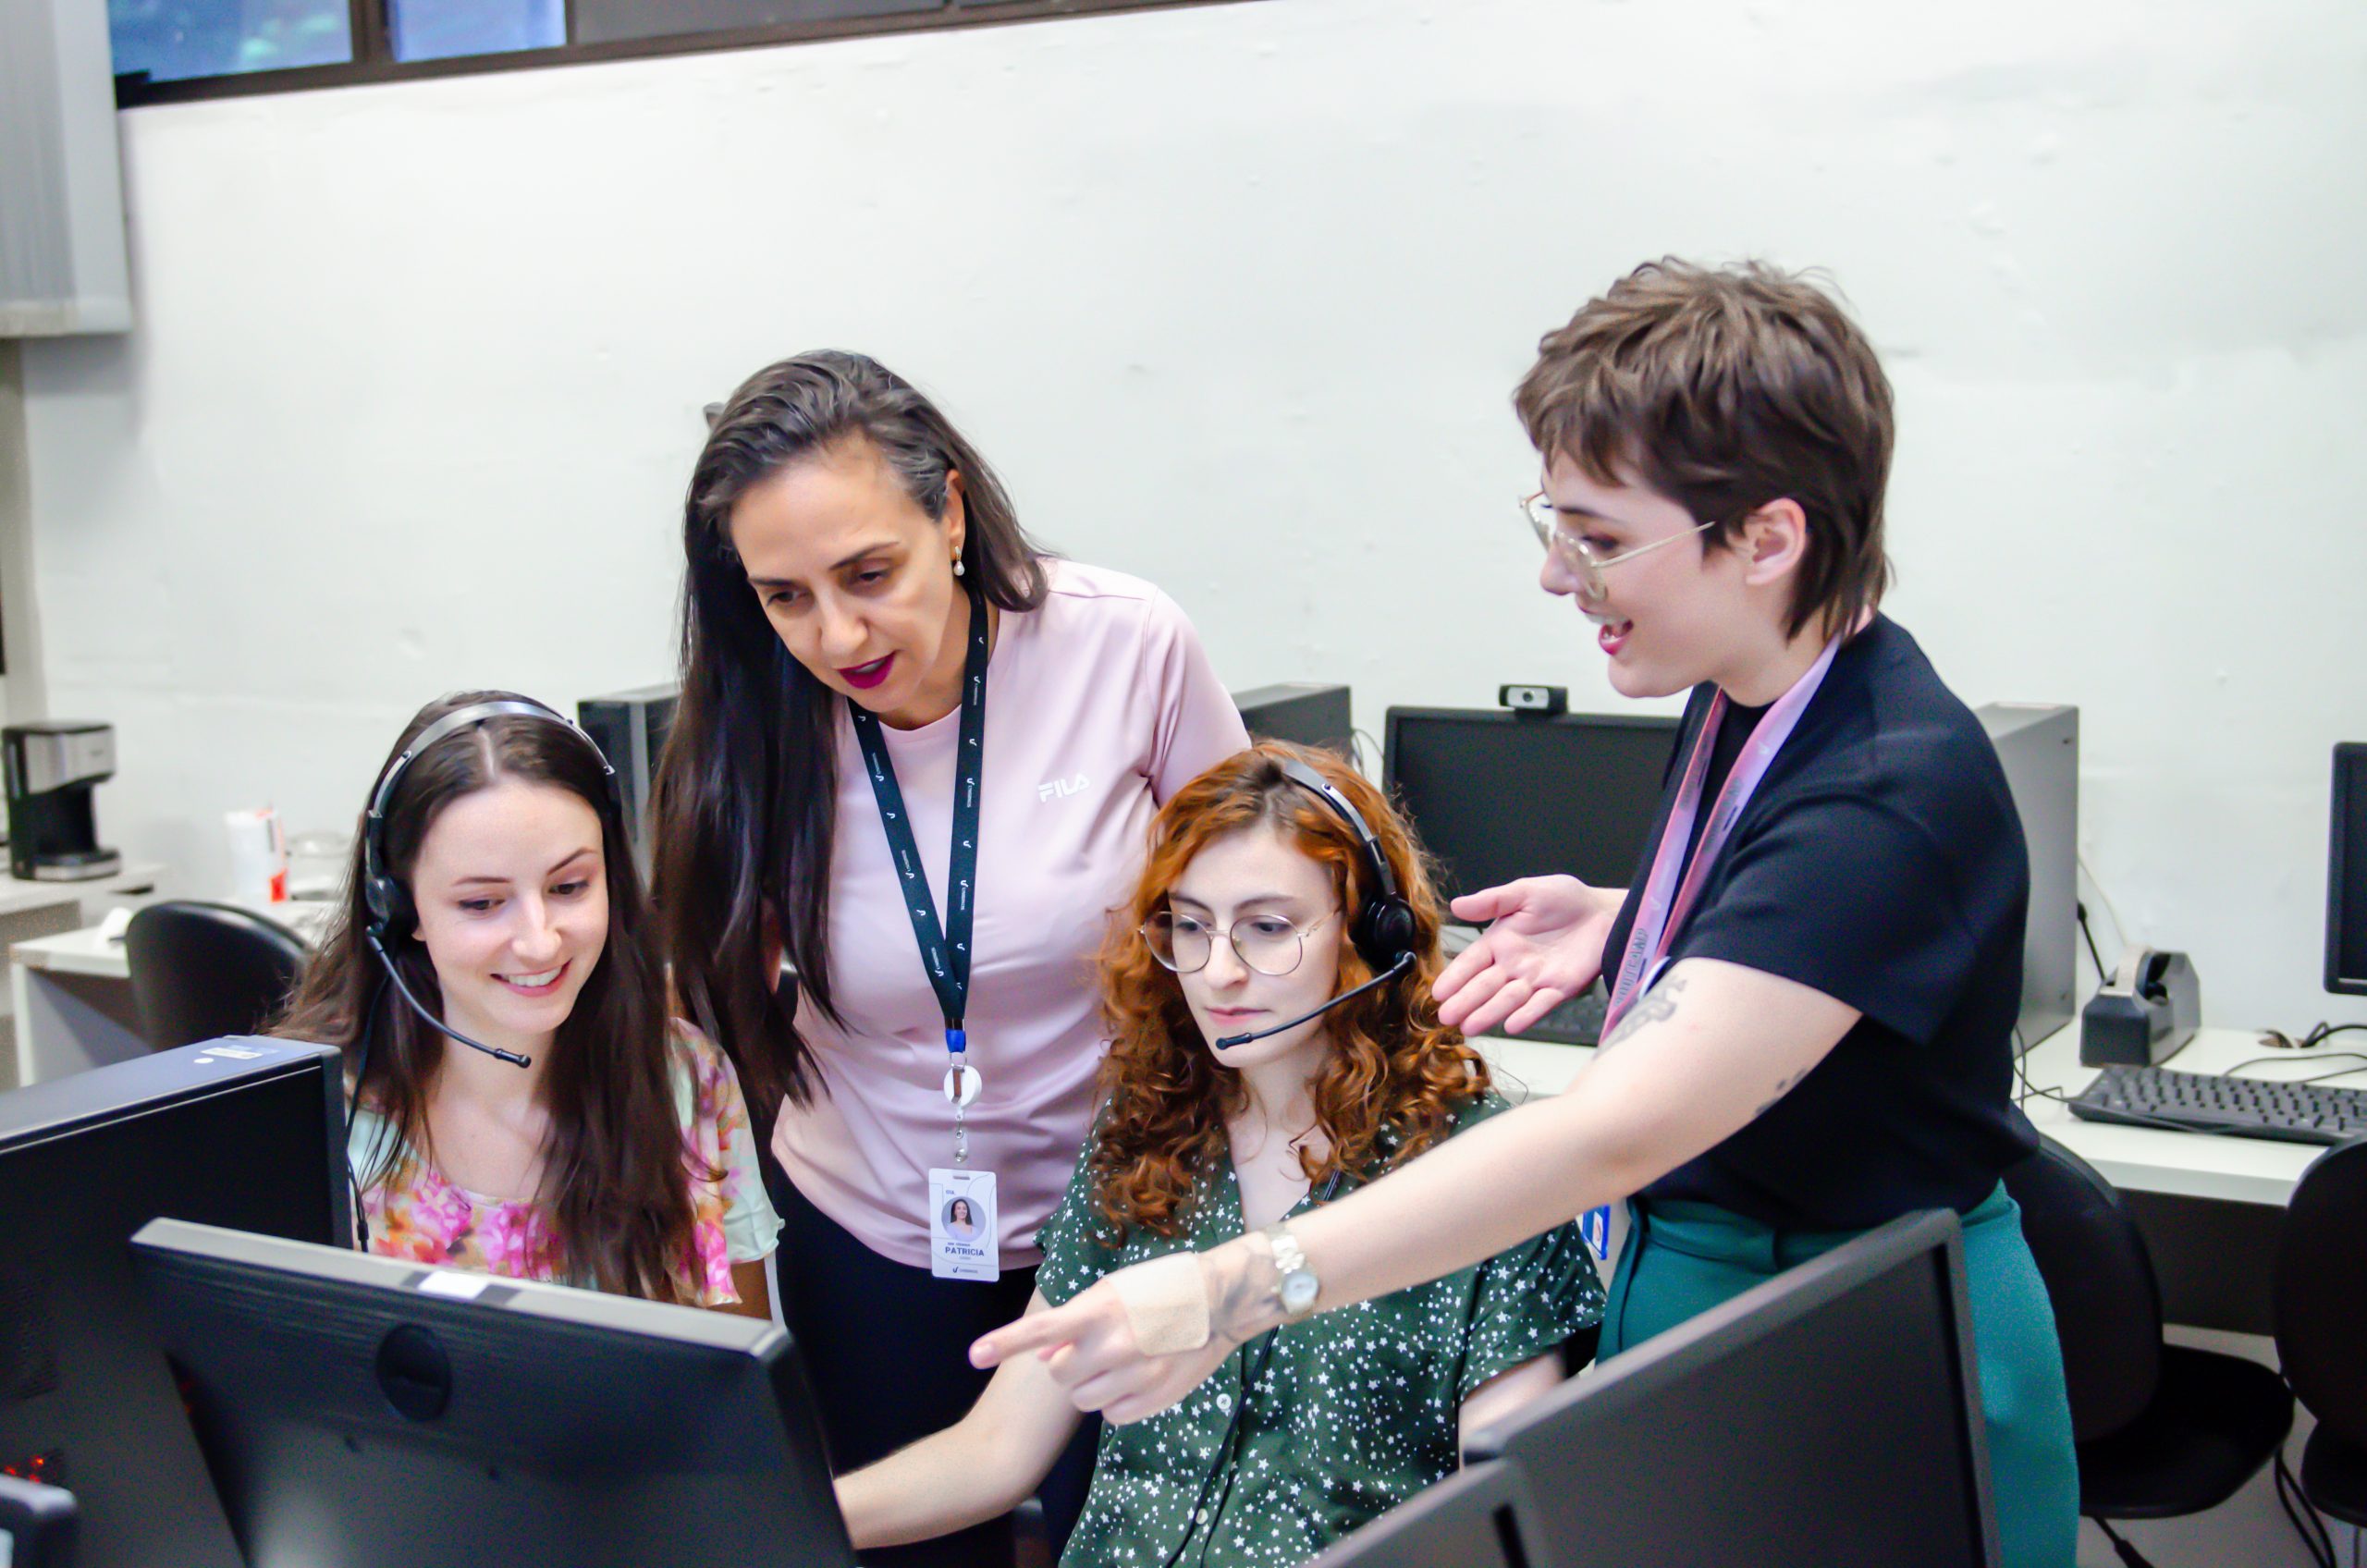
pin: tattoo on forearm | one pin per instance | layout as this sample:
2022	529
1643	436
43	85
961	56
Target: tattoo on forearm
1785	1087
1657	1005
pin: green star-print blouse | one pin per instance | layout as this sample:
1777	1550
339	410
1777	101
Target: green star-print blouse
1304	1434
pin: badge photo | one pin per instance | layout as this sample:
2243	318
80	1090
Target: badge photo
962	1241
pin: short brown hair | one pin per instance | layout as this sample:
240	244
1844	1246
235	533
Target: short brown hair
1724	389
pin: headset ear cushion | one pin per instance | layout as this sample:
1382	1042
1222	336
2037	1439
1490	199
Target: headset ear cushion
389	906
1385	932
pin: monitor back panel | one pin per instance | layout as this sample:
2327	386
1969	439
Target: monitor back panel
570	1428
86	1399
1845	1435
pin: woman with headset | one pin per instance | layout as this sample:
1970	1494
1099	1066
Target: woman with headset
916	756
1276	1048
1815	977
522	1102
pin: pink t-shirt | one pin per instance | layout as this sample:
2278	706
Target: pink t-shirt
1100	705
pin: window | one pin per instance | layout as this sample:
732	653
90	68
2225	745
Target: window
444	30
178	40
167	51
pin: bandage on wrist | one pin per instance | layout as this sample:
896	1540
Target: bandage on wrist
1166	1303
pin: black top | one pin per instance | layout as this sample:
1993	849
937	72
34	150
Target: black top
1881	863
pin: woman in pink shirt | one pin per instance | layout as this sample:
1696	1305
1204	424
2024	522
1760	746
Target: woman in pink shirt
891	695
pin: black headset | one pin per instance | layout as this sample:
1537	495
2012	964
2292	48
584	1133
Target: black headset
1385	934
392	913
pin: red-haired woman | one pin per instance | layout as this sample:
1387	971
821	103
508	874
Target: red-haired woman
1276	882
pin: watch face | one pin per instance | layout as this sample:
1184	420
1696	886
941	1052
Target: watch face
1298	1292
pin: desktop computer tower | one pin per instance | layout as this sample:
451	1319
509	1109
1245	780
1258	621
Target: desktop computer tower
2039	744
1306	713
631	728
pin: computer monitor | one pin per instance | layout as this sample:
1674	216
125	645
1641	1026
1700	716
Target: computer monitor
1479	1517
2346	874
364	1412
1829	1418
1496	795
246	1132
1305	713
631	728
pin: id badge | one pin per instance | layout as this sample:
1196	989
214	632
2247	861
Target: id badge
962	1241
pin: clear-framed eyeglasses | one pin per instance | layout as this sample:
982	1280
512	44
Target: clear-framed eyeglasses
1269	944
1573	551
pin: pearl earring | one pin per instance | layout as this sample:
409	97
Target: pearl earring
959	570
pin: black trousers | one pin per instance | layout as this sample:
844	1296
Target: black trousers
887	1348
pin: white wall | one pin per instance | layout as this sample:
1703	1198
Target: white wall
1235	295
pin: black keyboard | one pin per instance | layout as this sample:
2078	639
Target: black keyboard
1577	1022
2207	1102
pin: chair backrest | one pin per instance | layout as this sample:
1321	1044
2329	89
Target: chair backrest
2321	1292
200	971
2100	1278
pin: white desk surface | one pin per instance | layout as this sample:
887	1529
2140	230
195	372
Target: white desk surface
2195	1164
18	894
90	951
2200	1164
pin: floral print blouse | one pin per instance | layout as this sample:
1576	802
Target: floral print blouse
1318	1426
416	1213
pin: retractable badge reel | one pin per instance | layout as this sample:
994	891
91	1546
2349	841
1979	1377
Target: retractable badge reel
964	1243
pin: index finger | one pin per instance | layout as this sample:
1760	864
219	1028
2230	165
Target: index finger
1472	961
1045	1331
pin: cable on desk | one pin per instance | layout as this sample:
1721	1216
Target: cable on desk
2120	926
2315	1539
2031	1091
2359	1056
2104	975
2317	1035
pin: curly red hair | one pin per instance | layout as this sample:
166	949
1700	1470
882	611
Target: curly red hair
1396	1071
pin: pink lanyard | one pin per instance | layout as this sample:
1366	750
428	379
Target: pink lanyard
1659	916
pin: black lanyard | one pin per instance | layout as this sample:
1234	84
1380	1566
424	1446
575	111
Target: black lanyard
945	949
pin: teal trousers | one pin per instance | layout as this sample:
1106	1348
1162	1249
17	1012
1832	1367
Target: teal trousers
1683	1259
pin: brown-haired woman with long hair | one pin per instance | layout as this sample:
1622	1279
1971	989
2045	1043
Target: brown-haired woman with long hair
612	1149
1252	913
900	716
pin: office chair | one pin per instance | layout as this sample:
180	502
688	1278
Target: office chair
2163	1430
2320	1275
200	971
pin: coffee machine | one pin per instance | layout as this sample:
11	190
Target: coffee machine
51	767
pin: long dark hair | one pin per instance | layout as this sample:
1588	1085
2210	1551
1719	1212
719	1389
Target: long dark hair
616	1174
747	790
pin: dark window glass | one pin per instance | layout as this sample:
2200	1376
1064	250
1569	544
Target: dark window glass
171	40
441	29
608	22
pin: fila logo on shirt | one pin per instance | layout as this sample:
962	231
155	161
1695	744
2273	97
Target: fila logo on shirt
1063	788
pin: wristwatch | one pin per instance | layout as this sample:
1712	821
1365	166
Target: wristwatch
1297	1287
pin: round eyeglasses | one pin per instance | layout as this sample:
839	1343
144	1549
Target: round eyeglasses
1573	551
1269	944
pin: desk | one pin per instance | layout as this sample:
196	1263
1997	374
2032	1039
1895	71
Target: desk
72	995
2211	1207
30	909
